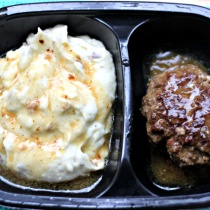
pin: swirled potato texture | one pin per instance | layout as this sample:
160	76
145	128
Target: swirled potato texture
56	96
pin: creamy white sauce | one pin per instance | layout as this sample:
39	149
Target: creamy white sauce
56	94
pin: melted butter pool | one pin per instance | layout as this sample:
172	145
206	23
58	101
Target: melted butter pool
76	184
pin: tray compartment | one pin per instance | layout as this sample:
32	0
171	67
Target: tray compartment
13	32
169	32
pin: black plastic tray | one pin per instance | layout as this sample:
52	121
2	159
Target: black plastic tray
129	31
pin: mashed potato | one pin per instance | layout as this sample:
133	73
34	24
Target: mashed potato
56	95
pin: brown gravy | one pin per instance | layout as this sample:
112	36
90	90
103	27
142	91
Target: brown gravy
161	170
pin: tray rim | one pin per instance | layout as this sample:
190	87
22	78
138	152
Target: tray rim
183	201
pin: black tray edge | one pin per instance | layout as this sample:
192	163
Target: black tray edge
104	203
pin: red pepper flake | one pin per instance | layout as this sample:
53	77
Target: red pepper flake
20	126
48	49
70	50
52	51
65	96
107	106
70	76
38	129
41	41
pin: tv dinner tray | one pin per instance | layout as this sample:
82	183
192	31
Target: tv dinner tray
128	30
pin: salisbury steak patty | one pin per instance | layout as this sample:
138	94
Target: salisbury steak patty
177	107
